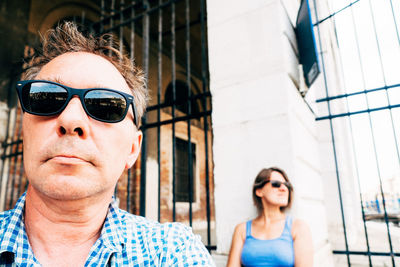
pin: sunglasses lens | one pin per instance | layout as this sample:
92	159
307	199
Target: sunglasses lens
276	184
43	98
105	105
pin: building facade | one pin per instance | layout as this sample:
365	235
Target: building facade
227	98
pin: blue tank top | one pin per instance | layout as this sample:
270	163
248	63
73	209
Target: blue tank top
272	252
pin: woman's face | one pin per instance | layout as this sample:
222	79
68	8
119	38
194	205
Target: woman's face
275	196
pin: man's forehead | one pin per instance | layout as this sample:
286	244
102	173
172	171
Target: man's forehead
59	79
83	70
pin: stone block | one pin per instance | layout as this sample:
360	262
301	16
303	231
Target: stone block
307	181
223	10
243	49
250	101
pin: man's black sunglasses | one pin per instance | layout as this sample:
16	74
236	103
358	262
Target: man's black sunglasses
277	184
45	98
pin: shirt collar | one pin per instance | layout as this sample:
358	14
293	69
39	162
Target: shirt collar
113	233
14	238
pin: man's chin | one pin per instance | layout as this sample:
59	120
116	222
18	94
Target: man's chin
67	192
66	195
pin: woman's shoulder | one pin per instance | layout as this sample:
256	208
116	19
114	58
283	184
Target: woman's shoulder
240	229
299	226
299	223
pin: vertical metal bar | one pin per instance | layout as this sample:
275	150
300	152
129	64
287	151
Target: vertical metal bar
355	158
83	18
361	197
121	28
173	108
373	135
159	86
204	76
146	38
112	13
332	137
145	47
132	45
394	135
102	13
395	23
189	110
384	80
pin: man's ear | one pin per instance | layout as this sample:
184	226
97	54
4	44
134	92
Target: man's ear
135	150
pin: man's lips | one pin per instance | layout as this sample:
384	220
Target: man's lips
68	159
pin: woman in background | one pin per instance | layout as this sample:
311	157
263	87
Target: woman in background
273	238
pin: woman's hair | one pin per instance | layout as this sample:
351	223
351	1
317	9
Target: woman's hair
66	38
262	178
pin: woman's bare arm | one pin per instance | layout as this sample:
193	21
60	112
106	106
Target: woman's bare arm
236	246
303	246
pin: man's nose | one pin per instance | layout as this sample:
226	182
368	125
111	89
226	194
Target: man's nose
73	120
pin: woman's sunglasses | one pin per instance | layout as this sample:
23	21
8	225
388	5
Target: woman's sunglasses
277	184
45	98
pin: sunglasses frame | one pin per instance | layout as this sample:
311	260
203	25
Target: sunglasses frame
287	184
81	94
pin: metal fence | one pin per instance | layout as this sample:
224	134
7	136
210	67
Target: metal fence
364	102
173	179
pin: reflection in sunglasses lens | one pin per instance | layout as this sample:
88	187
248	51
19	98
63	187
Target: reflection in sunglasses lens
44	98
105	105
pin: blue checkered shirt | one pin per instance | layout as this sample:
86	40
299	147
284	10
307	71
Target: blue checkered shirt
125	240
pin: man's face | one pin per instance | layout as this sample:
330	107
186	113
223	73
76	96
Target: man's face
70	155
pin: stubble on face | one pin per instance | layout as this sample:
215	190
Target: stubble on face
65	168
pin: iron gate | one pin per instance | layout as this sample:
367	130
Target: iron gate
365	103
173	179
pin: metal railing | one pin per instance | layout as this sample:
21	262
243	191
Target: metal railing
168	41
344	97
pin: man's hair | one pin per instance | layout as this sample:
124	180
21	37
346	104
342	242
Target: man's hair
66	38
262	178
